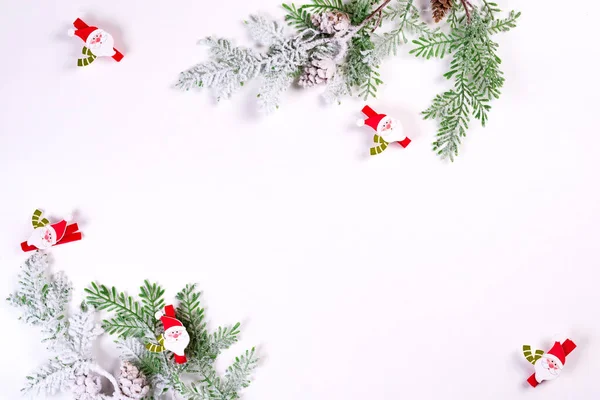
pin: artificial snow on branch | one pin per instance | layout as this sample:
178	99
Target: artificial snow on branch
335	45
43	299
341	45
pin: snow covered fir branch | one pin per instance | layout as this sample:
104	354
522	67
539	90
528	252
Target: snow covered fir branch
335	45
340	45
147	370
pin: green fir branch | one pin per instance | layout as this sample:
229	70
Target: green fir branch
409	22
224	338
152	300
359	10
131	320
125	326
359	70
203	390
297	17
321	6
475	69
487	75
490	9
457	17
191	315
504	25
369	87
214	386
151	364
238	374
436	45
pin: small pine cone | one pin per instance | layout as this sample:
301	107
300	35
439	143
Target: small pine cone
132	382
86	387
335	23
440	8
318	71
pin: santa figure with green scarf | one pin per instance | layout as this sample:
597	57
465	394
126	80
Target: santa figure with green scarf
388	130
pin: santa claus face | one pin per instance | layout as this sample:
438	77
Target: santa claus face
101	43
176	339
386	125
42	238
547	368
390	130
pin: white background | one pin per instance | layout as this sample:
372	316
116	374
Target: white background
396	276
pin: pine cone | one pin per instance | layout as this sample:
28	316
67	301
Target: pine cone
86	387
316	72
440	8
132	382
335	23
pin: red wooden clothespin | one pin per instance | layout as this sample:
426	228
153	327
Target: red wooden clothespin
98	43
548	365
46	235
388	130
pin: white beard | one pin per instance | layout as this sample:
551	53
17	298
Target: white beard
394	134
178	345
543	373
105	47
38	239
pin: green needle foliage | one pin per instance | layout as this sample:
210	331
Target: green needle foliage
135	324
475	70
131	319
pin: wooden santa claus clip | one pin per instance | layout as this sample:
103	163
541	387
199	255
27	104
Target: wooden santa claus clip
98	43
175	339
46	235
548	365
387	130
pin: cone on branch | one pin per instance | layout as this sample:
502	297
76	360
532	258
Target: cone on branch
440	8
86	387
318	71
333	23
132	382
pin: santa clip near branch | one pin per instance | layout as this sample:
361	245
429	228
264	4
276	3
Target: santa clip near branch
98	43
548	365
387	130
175	339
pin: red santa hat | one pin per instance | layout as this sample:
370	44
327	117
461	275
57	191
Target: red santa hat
557	354
59	229
83	33
168	318
373	120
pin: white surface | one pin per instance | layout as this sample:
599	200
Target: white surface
391	277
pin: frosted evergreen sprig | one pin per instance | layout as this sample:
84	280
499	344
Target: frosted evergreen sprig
43	299
342	43
232	67
355	52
